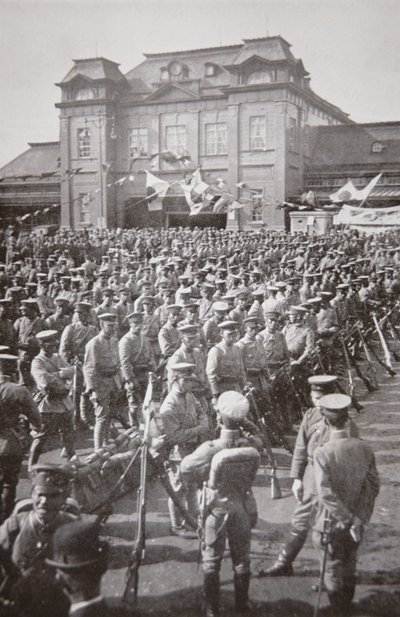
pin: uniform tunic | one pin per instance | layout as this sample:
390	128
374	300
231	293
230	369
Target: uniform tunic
225	369
299	341
347	485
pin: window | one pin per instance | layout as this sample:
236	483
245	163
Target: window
84	208
210	70
377	147
258	133
216	138
257	207
84	94
164	74
84	143
306	140
259	77
138	143
292	134
176	139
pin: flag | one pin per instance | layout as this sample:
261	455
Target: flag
193	188
236	205
243	186
106	167
156	190
365	192
197	208
121	181
348	192
222	202
309	198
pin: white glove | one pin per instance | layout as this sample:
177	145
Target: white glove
298	489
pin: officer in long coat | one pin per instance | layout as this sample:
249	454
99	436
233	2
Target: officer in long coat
347	485
227	507
313	432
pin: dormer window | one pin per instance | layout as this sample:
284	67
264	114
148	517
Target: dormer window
210	69
164	74
377	147
259	77
85	94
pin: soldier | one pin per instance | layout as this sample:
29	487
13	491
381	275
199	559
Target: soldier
80	559
228	508
271	303
15	400
26	327
255	309
44	300
206	302
137	360
239	313
188	352
25	537
327	328
60	319
225	369
151	325
72	349
7	332
101	371
313	432
185	426
253	355
168	337
211	329
347	485
53	378
274	343
123	308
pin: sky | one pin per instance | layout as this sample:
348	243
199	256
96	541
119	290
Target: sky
351	49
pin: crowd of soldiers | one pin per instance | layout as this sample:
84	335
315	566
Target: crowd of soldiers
250	337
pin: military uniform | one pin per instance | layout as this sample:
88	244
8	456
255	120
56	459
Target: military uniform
15	400
185	426
25	537
137	360
254	361
101	372
347	485
26	330
53	378
228	508
225	369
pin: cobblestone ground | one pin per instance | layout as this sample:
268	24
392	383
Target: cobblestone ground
170	583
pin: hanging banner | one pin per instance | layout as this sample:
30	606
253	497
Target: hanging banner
352	215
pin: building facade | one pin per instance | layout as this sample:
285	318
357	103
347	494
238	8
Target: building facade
242	113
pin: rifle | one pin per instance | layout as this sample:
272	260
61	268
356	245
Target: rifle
132	576
395	338
388	362
372	378
354	400
202	519
325	539
77	415
275	488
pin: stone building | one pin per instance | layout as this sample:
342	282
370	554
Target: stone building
242	113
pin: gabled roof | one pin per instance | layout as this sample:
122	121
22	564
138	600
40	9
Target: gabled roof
94	69
346	144
165	89
41	158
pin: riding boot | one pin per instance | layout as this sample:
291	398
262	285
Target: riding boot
241	583
289	552
175	515
211	593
